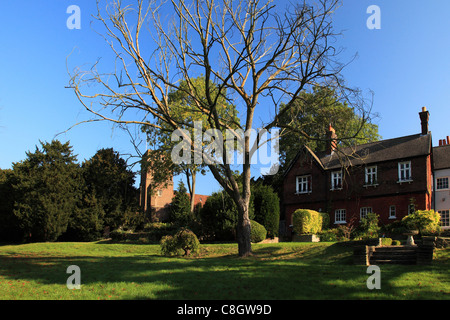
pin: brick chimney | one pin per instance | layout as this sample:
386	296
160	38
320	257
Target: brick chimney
444	142
424	117
331	140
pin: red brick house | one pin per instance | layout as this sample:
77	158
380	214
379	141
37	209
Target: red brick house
389	177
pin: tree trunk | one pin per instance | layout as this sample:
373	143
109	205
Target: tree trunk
193	192
191	186
243	231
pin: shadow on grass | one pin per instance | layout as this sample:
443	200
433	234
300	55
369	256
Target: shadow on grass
321	272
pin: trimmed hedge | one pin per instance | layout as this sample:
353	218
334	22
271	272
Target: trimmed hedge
258	232
307	221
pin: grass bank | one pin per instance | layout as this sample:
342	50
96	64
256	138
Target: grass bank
276	271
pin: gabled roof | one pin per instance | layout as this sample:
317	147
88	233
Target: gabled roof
374	152
441	157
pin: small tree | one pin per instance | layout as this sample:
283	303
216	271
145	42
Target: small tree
180	208
184	240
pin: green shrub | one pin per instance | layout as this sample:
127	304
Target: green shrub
329	235
386	241
119	235
258	232
368	227
325	220
187	241
183	241
396	242
169	246
306	221
425	221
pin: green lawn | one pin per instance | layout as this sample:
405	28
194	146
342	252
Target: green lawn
276	271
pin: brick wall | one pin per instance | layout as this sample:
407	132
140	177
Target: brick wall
354	195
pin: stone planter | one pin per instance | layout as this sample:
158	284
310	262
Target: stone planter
410	239
305	238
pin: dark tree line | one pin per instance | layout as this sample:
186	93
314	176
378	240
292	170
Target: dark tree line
49	196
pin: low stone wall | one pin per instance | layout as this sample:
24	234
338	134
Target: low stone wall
424	252
305	238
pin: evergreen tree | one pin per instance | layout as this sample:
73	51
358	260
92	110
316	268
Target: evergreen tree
180	208
109	188
47	190
9	224
219	217
267	208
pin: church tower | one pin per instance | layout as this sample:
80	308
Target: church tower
154	203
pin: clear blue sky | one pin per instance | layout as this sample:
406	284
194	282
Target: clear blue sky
405	63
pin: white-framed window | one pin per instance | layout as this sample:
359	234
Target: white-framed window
411	208
445	218
442	183
371	175
340	216
159	193
392	212
404	171
304	184
364	211
336	180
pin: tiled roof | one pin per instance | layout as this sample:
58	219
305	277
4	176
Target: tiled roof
374	152
441	157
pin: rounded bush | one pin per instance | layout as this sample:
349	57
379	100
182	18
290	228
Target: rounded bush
184	241
187	241
258	232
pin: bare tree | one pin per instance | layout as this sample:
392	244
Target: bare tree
260	53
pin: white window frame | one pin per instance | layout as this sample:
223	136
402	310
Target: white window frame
159	193
364	211
336	180
392	212
340	213
443	187
306	183
445	223
404	171
371	176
